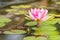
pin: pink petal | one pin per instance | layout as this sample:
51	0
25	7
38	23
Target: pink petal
35	9
44	13
46	18
35	13
32	10
31	15
39	16
42	10
38	10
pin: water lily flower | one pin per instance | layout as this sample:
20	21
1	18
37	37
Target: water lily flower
38	14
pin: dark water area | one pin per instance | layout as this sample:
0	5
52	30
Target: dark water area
11	37
6	3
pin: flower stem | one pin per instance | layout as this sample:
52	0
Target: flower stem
38	25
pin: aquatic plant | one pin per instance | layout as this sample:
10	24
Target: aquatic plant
40	24
46	29
15	32
35	38
16	11
21	6
38	15
3	21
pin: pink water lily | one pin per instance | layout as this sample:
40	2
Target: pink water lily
40	14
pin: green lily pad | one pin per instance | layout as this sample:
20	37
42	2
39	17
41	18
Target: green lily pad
51	33
48	28
15	32
2	19
2	24
21	12
11	10
57	19
42	38
31	23
48	22
57	2
30	38
56	37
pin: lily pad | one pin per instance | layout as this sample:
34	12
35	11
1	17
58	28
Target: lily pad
11	10
57	19
48	22
2	19
2	24
15	32
51	33
42	38
24	6
30	38
31	23
56	37
48	28
21	12
57	2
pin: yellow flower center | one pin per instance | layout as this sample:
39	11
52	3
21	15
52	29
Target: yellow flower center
37	20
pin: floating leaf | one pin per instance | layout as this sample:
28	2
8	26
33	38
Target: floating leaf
2	19
27	18
57	2
21	6
57	19
51	18
21	12
42	7
14	7
31	23
30	38
42	38
48	22
51	33
57	16
15	32
56	37
11	10
24	6
2	24
48	28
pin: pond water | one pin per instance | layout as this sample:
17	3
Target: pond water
11	37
